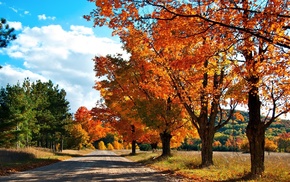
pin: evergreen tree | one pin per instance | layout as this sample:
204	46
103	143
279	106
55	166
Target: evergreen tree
6	34
33	112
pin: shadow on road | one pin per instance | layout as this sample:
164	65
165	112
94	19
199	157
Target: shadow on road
97	166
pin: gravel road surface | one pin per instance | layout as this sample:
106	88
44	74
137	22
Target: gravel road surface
99	165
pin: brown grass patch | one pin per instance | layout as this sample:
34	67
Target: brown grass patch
15	160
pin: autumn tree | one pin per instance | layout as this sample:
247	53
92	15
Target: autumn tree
283	142
165	117
118	98
265	70
263	23
178	66
93	128
160	114
216	14
193	70
118	106
270	146
79	137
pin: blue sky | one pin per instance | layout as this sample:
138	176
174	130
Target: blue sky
55	43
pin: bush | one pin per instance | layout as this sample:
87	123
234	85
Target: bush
117	145
101	145
128	146
245	146
110	147
145	147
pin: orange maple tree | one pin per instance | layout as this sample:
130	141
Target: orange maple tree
257	30
125	94
93	129
194	71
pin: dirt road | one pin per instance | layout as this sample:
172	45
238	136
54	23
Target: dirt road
96	166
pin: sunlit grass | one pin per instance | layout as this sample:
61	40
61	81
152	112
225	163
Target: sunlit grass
229	166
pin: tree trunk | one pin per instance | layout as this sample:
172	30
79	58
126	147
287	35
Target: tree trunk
165	139
133	140
206	149
133	147
61	148
256	133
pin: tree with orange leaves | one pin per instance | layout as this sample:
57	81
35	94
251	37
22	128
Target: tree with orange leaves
95	129
257	29
116	112
194	71
124	94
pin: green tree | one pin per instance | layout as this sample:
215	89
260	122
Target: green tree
19	116
6	34
33	112
6	125
52	110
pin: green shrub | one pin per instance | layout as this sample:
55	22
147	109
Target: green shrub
145	147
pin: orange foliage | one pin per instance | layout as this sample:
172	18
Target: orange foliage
94	128
204	55
270	145
216	144
126	93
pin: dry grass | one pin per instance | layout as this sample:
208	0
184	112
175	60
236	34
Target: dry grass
14	160
229	166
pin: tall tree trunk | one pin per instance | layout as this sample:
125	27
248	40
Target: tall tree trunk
61	147
165	139
256	133
133	147
133	140
46	142
206	136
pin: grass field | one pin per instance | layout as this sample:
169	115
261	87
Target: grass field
229	166
13	160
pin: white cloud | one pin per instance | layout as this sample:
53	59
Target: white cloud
44	17
13	9
26	12
13	75
15	25
63	56
81	30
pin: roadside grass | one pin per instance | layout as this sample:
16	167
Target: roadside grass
14	160
229	166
